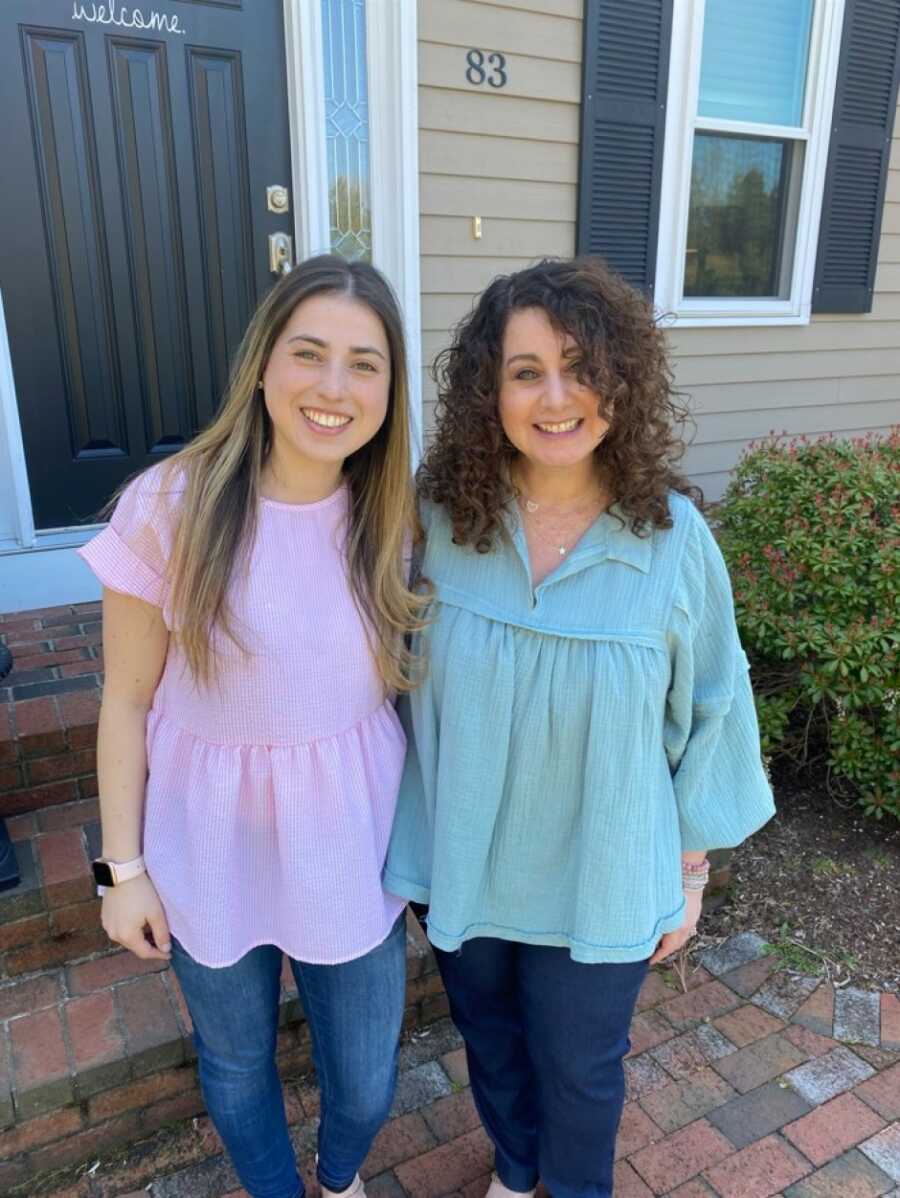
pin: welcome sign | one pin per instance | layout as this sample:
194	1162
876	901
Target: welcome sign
126	18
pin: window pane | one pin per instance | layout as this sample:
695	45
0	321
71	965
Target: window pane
741	205
754	60
347	127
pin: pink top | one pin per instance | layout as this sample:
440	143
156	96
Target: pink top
270	794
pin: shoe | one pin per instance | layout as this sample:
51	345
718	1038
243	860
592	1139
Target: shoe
355	1189
498	1190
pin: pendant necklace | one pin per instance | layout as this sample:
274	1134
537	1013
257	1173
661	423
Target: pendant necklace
532	508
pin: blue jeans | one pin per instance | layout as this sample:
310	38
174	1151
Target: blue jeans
545	1038
354	1011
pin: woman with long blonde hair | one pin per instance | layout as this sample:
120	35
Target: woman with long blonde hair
255	613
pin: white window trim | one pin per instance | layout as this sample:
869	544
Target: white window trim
682	119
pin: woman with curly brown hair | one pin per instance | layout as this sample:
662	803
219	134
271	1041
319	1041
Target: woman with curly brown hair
586	730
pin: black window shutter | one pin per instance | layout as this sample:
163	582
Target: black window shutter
856	177
623	116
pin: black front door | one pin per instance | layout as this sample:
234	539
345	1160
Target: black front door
136	145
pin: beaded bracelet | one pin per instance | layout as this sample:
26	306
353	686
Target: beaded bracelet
694	876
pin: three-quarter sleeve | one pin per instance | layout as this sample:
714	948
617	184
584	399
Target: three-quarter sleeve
711	731
131	554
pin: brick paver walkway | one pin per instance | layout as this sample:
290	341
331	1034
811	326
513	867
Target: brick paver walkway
752	1084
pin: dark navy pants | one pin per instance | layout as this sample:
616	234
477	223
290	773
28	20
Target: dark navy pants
545	1038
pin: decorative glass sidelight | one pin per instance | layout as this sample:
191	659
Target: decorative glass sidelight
347	127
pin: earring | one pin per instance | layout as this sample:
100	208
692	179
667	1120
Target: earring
259	386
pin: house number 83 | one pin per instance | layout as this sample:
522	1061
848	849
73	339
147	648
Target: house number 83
477	73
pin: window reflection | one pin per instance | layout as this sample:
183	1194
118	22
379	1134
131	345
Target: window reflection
738	211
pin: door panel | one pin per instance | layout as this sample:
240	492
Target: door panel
63	134
133	225
220	143
153	229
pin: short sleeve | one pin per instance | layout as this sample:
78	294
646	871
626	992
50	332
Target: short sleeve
711	732
131	554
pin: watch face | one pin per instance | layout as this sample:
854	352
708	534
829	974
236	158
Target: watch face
103	875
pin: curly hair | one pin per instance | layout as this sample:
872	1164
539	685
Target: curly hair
623	358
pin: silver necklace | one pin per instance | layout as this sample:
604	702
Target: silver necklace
532	506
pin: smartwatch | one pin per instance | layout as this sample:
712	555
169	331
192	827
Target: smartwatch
112	873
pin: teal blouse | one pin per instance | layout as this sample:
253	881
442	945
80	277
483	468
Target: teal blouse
571	739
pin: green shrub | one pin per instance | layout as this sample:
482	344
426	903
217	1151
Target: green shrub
811	534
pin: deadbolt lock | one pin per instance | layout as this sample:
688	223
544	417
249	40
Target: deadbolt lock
281	253
278	198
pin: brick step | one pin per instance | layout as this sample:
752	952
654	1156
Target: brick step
52	917
97	1054
432	1106
49	706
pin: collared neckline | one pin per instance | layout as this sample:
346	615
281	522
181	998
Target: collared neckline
609	536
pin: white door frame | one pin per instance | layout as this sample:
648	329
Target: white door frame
15	496
38	568
392	51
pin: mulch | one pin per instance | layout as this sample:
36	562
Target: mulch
822	882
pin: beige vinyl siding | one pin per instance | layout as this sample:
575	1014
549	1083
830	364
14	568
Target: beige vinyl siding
511	155
508	155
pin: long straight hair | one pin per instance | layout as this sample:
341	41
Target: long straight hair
222	467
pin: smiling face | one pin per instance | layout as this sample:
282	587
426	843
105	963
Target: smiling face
550	417
327	383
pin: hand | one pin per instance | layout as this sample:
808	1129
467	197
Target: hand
673	941
130	911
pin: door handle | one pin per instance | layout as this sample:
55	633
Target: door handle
281	253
